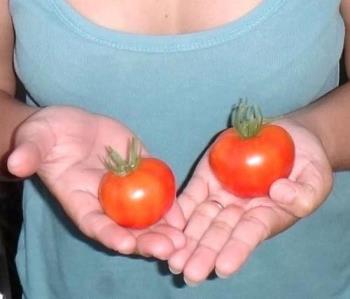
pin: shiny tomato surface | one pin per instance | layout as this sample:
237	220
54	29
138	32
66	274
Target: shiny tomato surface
247	167
141	197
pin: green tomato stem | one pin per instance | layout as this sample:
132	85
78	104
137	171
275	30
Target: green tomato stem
121	167
247	119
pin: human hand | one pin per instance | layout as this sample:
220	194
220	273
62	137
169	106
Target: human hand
223	230
63	146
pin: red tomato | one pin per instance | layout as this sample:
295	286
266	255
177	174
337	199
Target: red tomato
140	197
247	166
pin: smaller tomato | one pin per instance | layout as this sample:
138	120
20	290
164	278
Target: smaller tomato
138	192
249	157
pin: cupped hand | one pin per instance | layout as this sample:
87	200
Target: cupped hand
64	147
223	230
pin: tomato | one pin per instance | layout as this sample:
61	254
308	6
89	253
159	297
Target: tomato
247	164
140	196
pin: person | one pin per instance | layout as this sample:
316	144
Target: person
97	72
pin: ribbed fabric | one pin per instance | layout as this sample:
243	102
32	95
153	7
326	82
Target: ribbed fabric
177	92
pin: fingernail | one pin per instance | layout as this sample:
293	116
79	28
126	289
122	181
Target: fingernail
283	193
220	275
174	271
141	253
191	283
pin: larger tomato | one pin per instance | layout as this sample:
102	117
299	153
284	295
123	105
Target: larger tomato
250	156
138	194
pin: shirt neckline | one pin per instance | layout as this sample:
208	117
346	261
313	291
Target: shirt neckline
163	43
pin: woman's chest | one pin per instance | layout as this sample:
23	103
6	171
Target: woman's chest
163	17
280	49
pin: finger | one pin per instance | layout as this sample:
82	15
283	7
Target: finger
202	261
174	217
304	195
32	143
193	195
178	259
87	214
159	242
176	236
252	228
196	227
99	227
154	244
24	160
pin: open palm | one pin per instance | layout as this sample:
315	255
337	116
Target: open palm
64	147
222	230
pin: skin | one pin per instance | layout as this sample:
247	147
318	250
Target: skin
162	17
219	239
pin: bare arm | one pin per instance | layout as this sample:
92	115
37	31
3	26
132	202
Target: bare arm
329	117
12	111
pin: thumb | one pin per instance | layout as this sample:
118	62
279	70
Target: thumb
33	141
303	196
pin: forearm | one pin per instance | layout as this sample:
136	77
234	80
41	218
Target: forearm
329	119
13	113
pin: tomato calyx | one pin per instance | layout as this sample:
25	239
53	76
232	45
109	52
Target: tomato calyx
119	166
247	119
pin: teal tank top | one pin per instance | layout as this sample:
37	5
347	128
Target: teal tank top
177	92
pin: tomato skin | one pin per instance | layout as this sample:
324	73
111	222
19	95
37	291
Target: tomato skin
247	167
141	197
